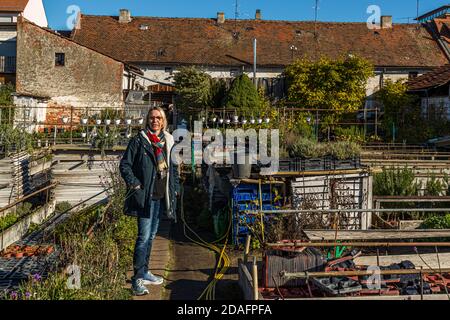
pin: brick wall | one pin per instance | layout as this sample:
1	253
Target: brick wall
87	79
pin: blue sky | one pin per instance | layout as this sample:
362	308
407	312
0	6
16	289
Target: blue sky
329	10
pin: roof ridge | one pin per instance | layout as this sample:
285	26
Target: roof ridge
244	20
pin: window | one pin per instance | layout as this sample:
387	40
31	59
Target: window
6	19
60	59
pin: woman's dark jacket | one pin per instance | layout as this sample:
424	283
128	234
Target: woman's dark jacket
138	168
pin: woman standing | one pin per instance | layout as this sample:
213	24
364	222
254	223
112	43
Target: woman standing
151	181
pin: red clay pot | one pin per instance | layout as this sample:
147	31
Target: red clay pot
18	255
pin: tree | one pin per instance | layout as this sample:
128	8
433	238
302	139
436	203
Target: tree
6	99
244	96
5	94
338	85
193	87
401	110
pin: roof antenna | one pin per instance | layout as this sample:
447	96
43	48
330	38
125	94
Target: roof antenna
236	14
316	8
418	5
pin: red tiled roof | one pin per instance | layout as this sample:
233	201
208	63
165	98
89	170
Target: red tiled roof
13	5
203	41
435	78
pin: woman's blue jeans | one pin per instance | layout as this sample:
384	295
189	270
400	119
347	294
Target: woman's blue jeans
147	229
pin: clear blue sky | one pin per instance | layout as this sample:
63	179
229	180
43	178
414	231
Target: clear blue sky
329	10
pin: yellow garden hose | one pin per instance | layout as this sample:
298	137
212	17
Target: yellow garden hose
221	268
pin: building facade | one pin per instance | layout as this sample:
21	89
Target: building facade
225	48
10	11
57	76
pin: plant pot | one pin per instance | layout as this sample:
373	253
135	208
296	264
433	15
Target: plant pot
117	122
141	121
128	121
108	122
18	255
83	134
242	171
84	121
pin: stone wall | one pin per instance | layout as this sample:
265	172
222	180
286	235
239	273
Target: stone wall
88	78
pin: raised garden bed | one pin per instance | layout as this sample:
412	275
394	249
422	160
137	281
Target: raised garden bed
317	164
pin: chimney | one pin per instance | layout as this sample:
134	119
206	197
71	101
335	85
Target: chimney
125	16
386	22
258	15
220	17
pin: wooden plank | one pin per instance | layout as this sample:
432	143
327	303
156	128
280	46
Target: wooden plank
430	259
327	235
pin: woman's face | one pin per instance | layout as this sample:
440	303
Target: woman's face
155	121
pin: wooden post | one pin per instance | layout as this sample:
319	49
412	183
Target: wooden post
247	248
255	280
421	283
71	124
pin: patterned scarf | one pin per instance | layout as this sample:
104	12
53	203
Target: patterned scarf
158	143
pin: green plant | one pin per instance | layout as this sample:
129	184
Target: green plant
243	96
352	134
193	88
437	222
395	182
434	187
308	148
335	84
8	221
62	206
402	113
15	139
106	139
342	150
23	209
